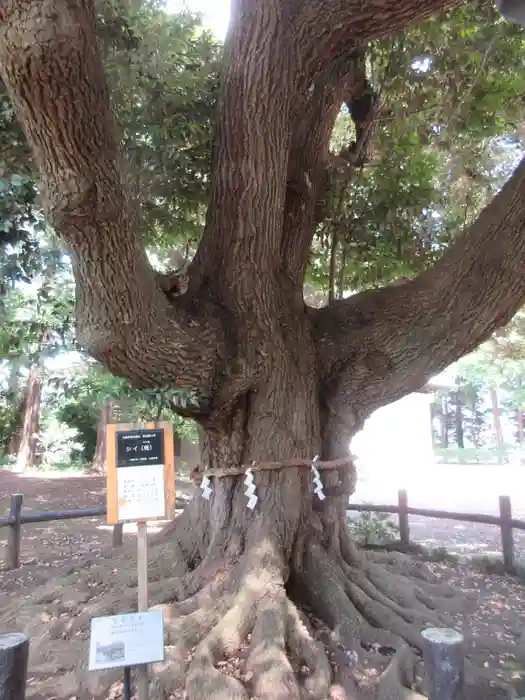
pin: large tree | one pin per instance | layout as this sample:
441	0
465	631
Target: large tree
273	381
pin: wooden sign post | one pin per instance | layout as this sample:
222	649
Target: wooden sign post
140	487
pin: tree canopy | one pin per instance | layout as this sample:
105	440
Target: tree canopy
452	103
449	103
364	149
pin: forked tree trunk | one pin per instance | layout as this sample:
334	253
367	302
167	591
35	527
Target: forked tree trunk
272	380
28	444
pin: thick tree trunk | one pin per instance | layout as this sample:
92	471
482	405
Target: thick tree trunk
99	460
28	443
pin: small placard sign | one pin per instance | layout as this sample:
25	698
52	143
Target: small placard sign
131	639
140	472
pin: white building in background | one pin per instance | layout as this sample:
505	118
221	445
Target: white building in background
394	448
399	433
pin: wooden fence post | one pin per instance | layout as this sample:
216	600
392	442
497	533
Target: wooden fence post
444	659
117	535
507	537
14	652
404	529
13	535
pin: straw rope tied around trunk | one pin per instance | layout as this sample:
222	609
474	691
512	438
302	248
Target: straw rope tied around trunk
203	480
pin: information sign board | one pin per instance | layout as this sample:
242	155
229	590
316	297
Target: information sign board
131	639
140	447
140	472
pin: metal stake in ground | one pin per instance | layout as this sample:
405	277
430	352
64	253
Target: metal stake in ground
444	664
127	683
14	652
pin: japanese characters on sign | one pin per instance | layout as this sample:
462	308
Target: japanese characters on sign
136	447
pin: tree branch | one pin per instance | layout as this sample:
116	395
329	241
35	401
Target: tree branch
252	140
309	161
323	28
292	82
51	67
377	346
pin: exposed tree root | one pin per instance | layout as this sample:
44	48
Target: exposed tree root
233	624
395	683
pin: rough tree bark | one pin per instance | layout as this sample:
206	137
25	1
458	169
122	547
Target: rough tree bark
105	416
30	425
274	380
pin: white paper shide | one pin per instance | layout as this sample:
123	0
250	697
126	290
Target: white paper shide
126	640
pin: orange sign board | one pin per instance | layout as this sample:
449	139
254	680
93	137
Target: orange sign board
140	468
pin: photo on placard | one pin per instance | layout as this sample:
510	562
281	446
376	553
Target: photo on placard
110	652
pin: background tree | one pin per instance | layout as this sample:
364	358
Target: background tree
36	324
497	370
75	395
274	380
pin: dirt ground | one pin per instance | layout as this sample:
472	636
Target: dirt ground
44	546
501	600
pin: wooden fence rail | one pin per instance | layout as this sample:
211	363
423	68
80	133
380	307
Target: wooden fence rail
504	521
16	519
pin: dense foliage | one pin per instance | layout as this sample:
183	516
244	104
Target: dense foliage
485	407
447	136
